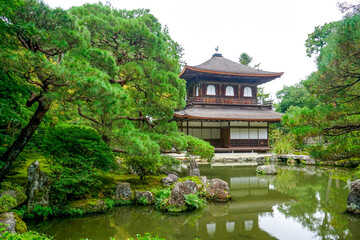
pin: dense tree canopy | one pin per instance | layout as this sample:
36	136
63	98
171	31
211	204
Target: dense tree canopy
335	120
296	95
113	70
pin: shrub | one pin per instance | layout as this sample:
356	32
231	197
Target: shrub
77	155
7	202
193	201
30	235
283	142
161	197
143	201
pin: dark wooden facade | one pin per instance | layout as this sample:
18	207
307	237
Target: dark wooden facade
222	106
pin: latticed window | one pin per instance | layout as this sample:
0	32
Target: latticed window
247	92
229	91
210	90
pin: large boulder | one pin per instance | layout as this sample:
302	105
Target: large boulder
218	191
38	187
144	198
193	168
13	222
180	189
354	198
123	191
169	180
266	170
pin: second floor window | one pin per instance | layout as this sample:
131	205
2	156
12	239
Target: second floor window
196	91
229	91
210	90
247	92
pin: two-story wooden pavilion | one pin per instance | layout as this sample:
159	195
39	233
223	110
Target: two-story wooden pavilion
222	106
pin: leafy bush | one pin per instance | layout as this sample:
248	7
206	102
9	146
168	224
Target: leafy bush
199	147
41	212
283	142
77	155
7	202
193	201
161	197
30	235
143	201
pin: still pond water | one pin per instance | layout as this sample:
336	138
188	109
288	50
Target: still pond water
298	203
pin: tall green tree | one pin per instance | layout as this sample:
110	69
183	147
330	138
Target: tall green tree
296	95
141	63
34	41
116	69
335	121
246	59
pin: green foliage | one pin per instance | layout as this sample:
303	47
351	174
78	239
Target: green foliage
161	197
193	201
318	39
30	235
147	236
41	212
245	59
77	155
143	201
331	127
199	147
296	95
262	97
7	202
283	142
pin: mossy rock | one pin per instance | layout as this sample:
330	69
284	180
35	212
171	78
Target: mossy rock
89	205
13	222
20	226
11	196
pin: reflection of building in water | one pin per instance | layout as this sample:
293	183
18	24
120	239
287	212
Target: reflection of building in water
252	195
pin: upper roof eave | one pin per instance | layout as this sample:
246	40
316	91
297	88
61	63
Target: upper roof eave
230	74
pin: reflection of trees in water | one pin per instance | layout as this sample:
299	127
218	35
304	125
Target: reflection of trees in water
130	221
321	203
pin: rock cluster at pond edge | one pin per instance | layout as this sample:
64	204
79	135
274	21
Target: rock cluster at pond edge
266	170
354	198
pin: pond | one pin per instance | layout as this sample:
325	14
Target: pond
298	203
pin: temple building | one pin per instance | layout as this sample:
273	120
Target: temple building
222	106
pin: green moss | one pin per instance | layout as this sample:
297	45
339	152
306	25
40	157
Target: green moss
20	226
89	205
20	177
109	181
197	180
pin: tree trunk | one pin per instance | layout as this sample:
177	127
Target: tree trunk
19	144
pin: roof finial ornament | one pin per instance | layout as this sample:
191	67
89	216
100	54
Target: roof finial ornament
217	48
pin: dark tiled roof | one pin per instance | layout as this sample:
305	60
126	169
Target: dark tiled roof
235	114
220	64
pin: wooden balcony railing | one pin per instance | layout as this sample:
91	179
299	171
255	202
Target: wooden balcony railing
225	101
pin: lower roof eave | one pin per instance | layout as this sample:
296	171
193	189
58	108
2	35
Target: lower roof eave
226	119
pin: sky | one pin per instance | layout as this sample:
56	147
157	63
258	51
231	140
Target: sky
273	32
